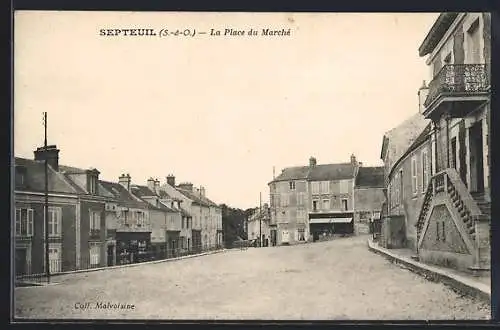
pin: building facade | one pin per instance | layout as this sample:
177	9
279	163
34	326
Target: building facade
454	223
368	198
311	201
258	226
128	223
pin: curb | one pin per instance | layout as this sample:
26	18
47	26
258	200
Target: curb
32	284
456	282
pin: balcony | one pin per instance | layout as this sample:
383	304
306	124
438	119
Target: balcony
457	89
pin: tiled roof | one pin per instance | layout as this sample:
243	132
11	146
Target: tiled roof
370	177
321	172
66	171
332	172
295	173
34	178
141	191
400	138
196	198
437	32
123	196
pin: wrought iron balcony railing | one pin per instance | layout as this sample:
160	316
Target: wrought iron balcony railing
459	80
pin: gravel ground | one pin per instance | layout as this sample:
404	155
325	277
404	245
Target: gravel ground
339	280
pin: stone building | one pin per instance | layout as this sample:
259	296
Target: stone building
311	201
453	227
368	198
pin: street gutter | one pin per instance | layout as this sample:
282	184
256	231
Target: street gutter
458	283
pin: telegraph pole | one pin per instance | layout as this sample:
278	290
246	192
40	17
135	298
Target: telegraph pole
47	264
260	219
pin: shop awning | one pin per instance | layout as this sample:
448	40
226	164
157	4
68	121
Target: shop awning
331	220
341	220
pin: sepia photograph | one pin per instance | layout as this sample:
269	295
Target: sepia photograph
251	166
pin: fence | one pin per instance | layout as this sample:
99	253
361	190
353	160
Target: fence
31	274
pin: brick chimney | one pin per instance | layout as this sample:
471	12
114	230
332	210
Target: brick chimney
312	161
151	184
124	180
51	154
171	180
423	91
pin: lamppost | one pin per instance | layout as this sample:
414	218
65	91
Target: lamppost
260	219
46	165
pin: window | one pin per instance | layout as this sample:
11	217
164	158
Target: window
325	187
326	204
141	219
95	255
344	204
344	186
54	221
315	187
284	200
315	205
292	185
301	199
301	234
95	221
301	214
443	232
54	258
414	178
401	187
24	222
425	171
453	156
437	231
92	185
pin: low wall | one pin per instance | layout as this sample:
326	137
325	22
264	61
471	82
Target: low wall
447	259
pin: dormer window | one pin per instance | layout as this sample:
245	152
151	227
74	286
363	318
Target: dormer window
92	186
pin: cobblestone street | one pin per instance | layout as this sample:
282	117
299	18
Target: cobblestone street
339	279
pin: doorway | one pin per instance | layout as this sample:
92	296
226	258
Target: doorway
21	261
476	157
111	249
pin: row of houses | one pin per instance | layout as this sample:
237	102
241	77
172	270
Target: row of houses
309	202
96	223
432	195
437	162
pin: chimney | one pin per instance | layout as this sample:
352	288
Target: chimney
202	191
360	164
312	161
423	91
124	180
171	180
353	160
151	184
157	186
51	154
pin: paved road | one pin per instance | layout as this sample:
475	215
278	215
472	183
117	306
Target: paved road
330	280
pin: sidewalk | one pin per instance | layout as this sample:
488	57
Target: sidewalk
476	286
28	283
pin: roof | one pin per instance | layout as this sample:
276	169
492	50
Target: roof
421	138
34	178
321	172
370	177
436	33
399	139
196	198
67	172
123	196
144	191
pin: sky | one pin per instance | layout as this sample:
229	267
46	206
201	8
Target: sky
218	111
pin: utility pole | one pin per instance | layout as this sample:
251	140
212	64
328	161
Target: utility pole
260	219
47	264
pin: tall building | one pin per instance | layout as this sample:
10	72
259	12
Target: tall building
309	201
439	187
